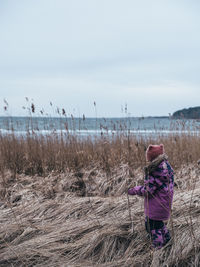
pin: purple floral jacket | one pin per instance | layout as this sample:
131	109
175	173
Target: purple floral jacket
157	189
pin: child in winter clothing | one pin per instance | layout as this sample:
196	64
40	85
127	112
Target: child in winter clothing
158	194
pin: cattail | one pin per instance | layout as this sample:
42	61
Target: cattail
63	112
32	108
5	102
66	127
126	108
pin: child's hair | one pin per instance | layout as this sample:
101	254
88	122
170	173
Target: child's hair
153	151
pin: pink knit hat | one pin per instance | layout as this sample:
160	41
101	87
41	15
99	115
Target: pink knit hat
153	151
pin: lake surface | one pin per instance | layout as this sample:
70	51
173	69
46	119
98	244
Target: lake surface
98	126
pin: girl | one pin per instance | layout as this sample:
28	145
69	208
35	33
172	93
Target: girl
158	194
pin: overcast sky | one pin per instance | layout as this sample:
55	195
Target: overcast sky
145	54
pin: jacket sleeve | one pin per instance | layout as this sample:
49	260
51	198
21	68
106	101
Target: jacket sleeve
149	188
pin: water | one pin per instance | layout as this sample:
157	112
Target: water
98	126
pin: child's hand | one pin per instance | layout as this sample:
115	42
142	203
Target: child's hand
135	190
132	191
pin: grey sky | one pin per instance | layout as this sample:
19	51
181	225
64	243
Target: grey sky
75	52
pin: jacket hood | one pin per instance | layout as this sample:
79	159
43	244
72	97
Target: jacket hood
153	166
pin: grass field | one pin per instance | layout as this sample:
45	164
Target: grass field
63	201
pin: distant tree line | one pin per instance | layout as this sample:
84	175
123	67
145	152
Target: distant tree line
187	113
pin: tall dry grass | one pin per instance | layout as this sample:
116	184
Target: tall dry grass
42	154
60	151
63	199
